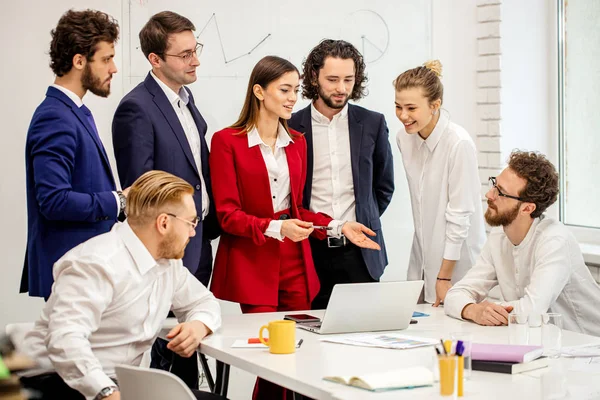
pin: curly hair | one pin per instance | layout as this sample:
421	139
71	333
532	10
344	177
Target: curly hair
316	60
426	77
78	32
541	177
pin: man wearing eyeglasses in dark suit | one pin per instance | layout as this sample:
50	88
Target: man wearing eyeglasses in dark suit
158	127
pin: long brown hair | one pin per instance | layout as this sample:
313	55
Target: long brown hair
267	70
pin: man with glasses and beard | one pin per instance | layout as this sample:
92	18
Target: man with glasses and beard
112	294
350	173
158	126
534	259
71	192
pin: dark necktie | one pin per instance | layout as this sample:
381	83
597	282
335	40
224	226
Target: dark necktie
90	119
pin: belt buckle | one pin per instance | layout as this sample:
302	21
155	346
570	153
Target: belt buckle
333	246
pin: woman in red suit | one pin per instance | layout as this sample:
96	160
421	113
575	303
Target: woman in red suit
258	170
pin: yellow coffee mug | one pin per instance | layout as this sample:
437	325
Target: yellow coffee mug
282	336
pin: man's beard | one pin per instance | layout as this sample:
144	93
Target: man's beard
167	249
329	102
504	219
92	83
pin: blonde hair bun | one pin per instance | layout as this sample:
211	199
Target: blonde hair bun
434	66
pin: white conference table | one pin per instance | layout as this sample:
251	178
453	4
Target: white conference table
302	372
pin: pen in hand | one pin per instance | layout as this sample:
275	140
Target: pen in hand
327	228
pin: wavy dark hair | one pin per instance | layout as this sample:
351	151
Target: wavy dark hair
267	70
541	176
78	32
316	59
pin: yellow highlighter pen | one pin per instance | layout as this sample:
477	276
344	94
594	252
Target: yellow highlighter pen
448	346
461	369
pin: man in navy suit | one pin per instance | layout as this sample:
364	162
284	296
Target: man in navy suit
71	193
350	174
157	126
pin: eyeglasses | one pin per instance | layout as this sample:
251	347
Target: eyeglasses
493	185
188	55
193	223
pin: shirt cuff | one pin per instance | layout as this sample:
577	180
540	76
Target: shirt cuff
454	303
93	382
274	230
211	321
337	228
452	251
118	202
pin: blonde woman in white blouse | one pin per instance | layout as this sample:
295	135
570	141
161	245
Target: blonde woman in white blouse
440	161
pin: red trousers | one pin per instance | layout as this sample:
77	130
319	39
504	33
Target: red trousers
293	296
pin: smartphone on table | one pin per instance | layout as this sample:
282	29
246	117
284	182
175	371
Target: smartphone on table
301	318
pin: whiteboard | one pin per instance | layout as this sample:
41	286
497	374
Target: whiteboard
392	35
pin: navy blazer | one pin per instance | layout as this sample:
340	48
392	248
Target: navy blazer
69	188
372	172
147	135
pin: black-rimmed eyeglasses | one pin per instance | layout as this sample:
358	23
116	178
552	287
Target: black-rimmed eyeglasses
493	185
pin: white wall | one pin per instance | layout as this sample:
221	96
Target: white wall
528	75
529	80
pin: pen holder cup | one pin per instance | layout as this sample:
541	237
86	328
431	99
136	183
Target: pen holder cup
448	374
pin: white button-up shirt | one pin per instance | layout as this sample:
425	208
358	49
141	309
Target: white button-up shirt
179	101
544	273
279	174
332	184
445	195
109	300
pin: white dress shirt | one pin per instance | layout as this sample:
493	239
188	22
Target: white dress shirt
544	273
79	103
179	101
332	184
445	194
109	300
279	174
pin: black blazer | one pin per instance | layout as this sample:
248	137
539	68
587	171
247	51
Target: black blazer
147	135
372	172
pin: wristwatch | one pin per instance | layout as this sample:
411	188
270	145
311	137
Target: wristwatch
107	391
122	205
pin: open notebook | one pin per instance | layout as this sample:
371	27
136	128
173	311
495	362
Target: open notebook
406	378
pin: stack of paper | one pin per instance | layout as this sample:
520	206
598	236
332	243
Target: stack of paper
384	340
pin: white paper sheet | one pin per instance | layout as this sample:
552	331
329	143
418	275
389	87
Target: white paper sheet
384	340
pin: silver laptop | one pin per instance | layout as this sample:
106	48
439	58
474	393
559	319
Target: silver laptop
368	307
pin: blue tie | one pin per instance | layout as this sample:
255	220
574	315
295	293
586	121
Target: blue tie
90	119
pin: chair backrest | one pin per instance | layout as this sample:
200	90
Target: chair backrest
137	383
16	333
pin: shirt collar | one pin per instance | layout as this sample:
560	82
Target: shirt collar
138	251
283	138
530	232
321	119
76	99
434	138
173	97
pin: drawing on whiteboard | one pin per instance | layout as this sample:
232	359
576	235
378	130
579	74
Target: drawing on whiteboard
225	60
370	33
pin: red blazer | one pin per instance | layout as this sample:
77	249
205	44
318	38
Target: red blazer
247	263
